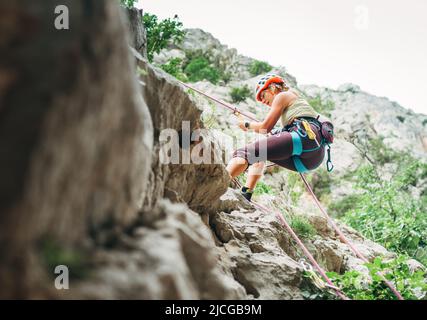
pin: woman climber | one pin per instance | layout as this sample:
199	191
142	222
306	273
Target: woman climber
298	146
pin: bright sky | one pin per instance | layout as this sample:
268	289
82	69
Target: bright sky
380	45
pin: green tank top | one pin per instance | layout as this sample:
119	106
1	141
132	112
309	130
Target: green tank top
299	108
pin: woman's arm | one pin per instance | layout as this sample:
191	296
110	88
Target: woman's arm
281	102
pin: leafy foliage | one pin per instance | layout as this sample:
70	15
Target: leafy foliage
199	69
386	214
340	207
259	67
239	94
295	186
263	188
128	3
321	181
411	284
160	34
359	286
302	227
323	107
385	210
210	120
225	76
197	65
174	67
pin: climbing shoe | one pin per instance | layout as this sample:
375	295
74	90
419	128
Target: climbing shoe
247	193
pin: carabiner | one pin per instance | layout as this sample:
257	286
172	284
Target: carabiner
329	165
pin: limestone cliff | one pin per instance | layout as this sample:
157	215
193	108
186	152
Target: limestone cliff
83	185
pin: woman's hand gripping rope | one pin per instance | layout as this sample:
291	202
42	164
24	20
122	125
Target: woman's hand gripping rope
241	120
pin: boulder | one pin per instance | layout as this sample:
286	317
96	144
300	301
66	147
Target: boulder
175	113
74	135
137	35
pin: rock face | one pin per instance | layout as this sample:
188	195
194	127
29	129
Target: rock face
85	182
253	241
175	258
224	58
136	27
265	259
173	110
74	134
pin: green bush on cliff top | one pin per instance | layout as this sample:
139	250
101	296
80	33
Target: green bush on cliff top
161	33
128	3
259	67
385	210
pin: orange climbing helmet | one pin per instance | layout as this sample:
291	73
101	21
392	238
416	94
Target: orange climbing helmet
265	81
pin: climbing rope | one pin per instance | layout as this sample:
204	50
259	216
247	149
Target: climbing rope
285	224
301	245
234	109
344	239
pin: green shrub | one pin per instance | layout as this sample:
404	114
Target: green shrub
160	34
323	107
321	183
210	119
263	188
174	68
346	204
201	65
259	67
295	185
412	285
128	3
401	119
200	69
385	210
225	76
302	227
239	94
380	153
357	286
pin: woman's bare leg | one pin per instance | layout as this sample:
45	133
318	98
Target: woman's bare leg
236	166
255	172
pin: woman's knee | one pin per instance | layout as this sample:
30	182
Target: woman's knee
240	153
239	157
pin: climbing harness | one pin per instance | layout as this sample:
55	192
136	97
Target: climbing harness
326	134
297	137
310	133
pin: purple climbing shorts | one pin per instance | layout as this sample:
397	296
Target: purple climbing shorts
279	149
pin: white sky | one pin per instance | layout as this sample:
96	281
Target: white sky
379	45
